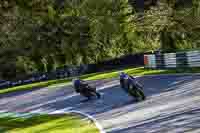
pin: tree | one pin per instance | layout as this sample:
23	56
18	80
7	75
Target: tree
42	35
168	19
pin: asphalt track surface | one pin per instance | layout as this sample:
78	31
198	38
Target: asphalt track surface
172	105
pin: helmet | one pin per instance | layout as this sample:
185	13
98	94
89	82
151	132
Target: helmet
123	75
75	81
126	76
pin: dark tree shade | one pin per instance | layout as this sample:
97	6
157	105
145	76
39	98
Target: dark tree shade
141	5
183	4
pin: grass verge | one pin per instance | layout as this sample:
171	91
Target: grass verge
46	124
101	75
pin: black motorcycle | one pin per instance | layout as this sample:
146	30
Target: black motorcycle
88	91
134	90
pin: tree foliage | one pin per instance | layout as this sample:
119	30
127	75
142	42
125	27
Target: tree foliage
41	35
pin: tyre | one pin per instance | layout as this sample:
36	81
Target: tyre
142	95
98	95
137	93
122	83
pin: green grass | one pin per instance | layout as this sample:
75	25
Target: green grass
140	71
101	75
46	124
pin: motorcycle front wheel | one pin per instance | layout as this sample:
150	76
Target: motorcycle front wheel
137	93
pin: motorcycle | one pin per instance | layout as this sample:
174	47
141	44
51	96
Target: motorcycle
134	90
88	91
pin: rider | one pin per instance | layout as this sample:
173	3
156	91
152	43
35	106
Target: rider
123	76
81	87
78	84
131	79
